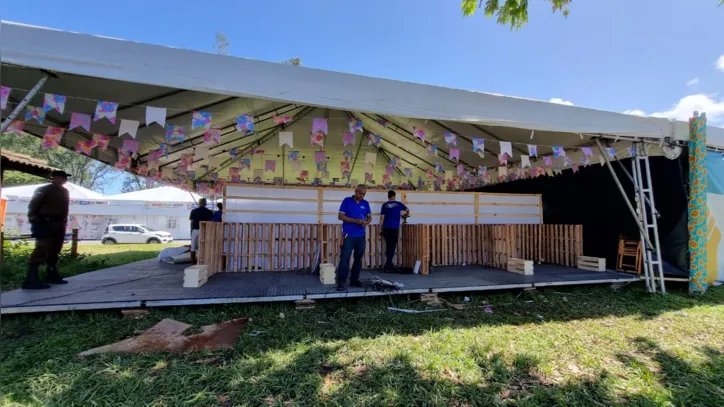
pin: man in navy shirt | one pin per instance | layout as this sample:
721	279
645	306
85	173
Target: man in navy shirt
356	215
392	211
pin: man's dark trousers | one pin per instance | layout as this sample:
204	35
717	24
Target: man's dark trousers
351	245
391	235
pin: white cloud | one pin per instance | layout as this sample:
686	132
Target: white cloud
686	107
693	82
563	102
720	63
635	112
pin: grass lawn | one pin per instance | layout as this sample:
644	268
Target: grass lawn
91	258
566	347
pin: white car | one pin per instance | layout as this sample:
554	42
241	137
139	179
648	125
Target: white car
120	234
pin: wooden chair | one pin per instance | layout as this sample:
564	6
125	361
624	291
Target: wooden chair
630	255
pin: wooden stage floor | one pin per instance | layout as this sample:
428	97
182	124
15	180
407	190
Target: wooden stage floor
153	284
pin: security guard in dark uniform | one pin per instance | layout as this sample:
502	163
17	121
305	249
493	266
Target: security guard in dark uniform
48	215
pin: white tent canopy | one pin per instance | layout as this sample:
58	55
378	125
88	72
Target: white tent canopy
135	75
76	192
165	194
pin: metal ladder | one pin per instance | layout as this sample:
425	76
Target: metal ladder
653	267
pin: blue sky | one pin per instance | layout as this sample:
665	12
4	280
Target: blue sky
654	56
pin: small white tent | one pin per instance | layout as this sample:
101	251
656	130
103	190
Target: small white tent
88	210
164	208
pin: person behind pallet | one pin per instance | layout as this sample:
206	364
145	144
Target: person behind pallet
355	215
219	212
392	211
198	215
48	216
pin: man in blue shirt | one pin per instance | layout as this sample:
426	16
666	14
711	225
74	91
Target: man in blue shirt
356	215
392	211
218	215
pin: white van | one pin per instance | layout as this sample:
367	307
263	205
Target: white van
135	234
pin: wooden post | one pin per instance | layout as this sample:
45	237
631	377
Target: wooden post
74	243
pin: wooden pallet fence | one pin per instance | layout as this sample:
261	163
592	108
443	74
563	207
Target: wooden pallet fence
279	247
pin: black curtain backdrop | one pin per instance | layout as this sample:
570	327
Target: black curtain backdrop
591	198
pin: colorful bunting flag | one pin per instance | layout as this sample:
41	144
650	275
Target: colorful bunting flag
611	152
585	161
245	164
107	110
320	156
153	159
374	139
532	150
293	156
355	124
502	159
234	174
548	160
386	180
455	154
34	113
506	148
439	168
418	133
371	158
129	127
245	123
322	169
461	169
390	170
163	149
316	138
84	147
123	162
347	154
286	138
347	138
368	177
80	120
130	147
502	173
345	168
319	125
559	152
587	151
395	161
281	119
382	122
4	94
16	127
431	149
408	172
479	146
451	138
632	150
567	162
256	152
200	119
155	115
56	102
51	138
212	136
524	161
303	175
270	165
174	134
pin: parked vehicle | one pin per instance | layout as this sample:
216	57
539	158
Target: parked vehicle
134	234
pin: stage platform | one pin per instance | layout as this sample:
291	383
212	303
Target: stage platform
153	284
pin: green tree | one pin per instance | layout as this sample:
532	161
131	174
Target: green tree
513	12
84	171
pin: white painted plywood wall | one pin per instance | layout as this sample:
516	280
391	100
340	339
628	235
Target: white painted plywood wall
267	204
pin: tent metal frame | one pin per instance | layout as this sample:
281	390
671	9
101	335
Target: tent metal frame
647	224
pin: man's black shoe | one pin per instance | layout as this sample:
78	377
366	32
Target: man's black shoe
341	287
355	283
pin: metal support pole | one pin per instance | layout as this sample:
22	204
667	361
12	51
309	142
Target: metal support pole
641	209
657	243
628	174
19	108
623	194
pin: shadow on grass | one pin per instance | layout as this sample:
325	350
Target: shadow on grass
15	266
317	377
